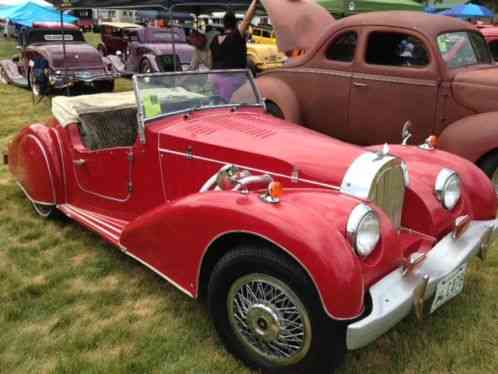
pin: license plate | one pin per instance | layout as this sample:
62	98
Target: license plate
449	287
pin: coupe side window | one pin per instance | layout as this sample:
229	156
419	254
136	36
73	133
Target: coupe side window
343	47
396	49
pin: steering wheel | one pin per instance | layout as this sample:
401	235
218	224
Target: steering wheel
217	100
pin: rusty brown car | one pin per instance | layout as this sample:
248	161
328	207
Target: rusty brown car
363	77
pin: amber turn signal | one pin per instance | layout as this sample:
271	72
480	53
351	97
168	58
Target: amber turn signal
275	190
432	140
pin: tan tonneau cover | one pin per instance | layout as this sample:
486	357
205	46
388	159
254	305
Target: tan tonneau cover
67	110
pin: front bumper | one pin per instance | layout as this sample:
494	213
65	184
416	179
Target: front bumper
62	81
394	296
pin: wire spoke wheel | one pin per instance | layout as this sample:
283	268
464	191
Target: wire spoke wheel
269	319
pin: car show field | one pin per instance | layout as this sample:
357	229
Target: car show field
71	303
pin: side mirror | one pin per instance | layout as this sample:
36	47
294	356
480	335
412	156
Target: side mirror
405	132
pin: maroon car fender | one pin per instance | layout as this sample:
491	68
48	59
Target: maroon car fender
463	139
34	160
308	225
277	91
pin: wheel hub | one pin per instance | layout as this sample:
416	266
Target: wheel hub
263	322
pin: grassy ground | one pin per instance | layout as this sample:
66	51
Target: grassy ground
71	303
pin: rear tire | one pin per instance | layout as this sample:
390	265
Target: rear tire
489	165
44	211
268	313
274	110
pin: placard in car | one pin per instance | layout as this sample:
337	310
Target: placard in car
449	287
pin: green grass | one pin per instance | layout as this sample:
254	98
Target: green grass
71	303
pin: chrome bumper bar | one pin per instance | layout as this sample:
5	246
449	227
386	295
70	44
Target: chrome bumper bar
394	296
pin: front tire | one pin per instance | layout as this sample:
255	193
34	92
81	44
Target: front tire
489	164
267	312
145	67
274	110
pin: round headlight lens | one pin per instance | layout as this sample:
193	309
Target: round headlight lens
448	188
363	229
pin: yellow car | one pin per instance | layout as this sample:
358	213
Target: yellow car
262	51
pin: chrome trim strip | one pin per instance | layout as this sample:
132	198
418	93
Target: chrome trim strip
308	272
51	178
391	79
290	177
30	198
81	212
126	252
70	212
332	72
393	296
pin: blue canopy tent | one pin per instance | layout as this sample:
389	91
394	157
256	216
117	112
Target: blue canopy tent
469	11
29	12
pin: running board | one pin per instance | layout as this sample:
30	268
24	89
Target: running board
108	227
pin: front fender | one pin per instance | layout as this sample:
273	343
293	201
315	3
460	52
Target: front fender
471	137
276	90
34	160
308	225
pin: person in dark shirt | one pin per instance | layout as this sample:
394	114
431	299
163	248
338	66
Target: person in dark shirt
228	51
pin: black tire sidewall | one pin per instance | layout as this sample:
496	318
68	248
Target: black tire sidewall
328	338
489	163
143	64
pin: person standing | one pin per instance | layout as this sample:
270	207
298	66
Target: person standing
229	49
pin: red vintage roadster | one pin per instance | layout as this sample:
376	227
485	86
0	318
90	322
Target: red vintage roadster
302	245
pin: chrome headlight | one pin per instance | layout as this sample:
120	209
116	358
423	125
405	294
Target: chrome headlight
363	229
448	188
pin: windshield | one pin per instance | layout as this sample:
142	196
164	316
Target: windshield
463	48
156	35
168	93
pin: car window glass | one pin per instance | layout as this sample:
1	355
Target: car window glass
267	34
463	48
493	46
396	49
343	47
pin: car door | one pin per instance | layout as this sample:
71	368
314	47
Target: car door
325	89
394	80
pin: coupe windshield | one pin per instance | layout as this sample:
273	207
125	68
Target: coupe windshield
168	93
463	48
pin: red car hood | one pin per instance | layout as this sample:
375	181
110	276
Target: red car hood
477	89
78	55
259	141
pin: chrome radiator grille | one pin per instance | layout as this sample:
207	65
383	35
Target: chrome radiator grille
388	191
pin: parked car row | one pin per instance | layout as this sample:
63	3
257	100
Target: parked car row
315	231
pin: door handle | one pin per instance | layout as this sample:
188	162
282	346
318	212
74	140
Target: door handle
79	162
359	84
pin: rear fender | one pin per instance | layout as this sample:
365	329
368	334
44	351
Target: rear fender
471	137
307	225
277	91
34	160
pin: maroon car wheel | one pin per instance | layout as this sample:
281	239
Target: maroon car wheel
3	76
267	312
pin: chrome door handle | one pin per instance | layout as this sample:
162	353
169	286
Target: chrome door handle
79	162
359	84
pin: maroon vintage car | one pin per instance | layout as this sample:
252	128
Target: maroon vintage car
43	65
303	245
363	77
133	48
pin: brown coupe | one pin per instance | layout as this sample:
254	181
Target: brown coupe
363	77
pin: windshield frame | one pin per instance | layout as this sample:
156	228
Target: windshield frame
467	31
142	121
